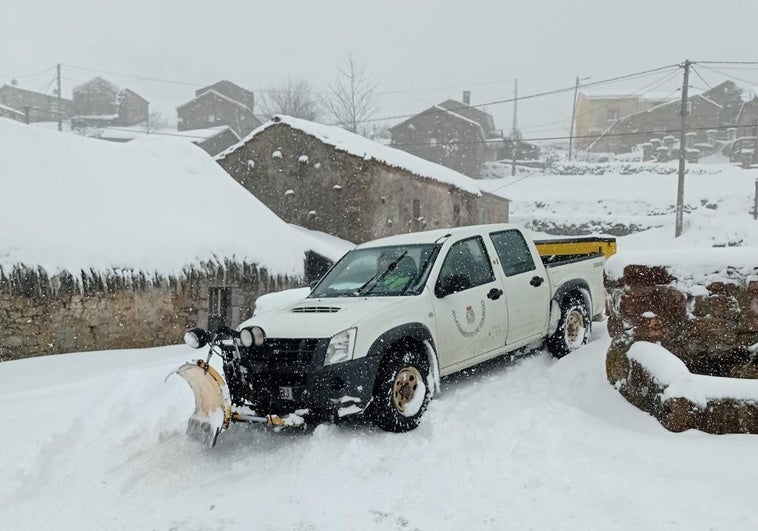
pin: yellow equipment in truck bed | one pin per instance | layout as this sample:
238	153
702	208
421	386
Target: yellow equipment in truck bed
579	246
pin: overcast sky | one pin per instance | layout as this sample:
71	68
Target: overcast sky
420	52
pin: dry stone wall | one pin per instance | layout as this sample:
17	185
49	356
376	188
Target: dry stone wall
709	322
42	315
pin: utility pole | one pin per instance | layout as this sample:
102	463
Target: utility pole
573	114
60	102
682	150
515	126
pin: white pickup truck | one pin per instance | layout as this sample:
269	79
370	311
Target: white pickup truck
391	317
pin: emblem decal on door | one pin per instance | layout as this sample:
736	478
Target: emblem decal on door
470	319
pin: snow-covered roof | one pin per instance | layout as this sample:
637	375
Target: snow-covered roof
157	204
138	131
453	113
215	93
11	110
368	149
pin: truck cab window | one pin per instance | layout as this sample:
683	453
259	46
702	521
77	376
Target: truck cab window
513	252
466	266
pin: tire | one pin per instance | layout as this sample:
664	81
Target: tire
401	392
574	326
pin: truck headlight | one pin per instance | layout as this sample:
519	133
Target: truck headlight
341	347
196	337
252	336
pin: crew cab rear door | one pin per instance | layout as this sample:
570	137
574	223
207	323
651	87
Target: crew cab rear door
527	289
469	309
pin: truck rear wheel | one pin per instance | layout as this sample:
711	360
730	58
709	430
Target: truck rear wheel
574	326
401	393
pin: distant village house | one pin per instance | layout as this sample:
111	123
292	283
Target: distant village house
33	106
100	103
452	134
222	103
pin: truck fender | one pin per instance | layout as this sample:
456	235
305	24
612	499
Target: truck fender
578	285
418	332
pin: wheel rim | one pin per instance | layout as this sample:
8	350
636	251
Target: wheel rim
575	329
404	388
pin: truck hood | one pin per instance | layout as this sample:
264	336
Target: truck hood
322	318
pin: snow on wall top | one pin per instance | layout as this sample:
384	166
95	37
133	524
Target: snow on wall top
705	264
671	372
368	149
71	203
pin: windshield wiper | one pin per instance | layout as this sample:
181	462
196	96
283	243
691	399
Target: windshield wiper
379	276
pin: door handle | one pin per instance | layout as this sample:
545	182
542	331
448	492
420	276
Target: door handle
536	281
494	294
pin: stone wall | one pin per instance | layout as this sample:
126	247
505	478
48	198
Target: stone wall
42	315
709	323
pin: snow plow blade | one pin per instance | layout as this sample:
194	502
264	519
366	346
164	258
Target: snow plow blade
213	409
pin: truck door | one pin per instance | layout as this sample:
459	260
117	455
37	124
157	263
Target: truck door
527	290
468	305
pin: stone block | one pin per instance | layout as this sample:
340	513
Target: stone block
666	303
724	288
616	362
679	414
640	275
719	306
650	329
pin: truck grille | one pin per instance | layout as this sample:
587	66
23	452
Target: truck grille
284	361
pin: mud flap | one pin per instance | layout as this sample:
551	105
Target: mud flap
213	408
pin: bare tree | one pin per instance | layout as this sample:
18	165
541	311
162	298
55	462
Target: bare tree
353	98
293	97
156	121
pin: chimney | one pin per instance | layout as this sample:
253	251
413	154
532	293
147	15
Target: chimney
467	97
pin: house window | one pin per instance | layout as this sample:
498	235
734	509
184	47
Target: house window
432	142
611	115
416	209
211	118
219	307
456	215
484	215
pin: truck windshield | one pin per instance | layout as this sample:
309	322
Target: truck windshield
379	272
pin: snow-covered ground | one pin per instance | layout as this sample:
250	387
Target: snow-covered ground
96	441
718	202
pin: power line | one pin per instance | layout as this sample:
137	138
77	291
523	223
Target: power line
34	74
135	76
731	76
510	100
726	62
638	92
609	135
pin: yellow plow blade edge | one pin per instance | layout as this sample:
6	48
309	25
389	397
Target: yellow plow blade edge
213	409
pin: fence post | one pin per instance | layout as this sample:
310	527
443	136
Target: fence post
755	201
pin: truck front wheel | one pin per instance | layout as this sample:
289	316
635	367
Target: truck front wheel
401	393
573	328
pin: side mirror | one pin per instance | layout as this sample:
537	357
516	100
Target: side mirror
451	284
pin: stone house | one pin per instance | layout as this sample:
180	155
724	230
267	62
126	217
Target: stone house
597	110
746	123
715	109
328	179
42	107
100	103
451	133
222	103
